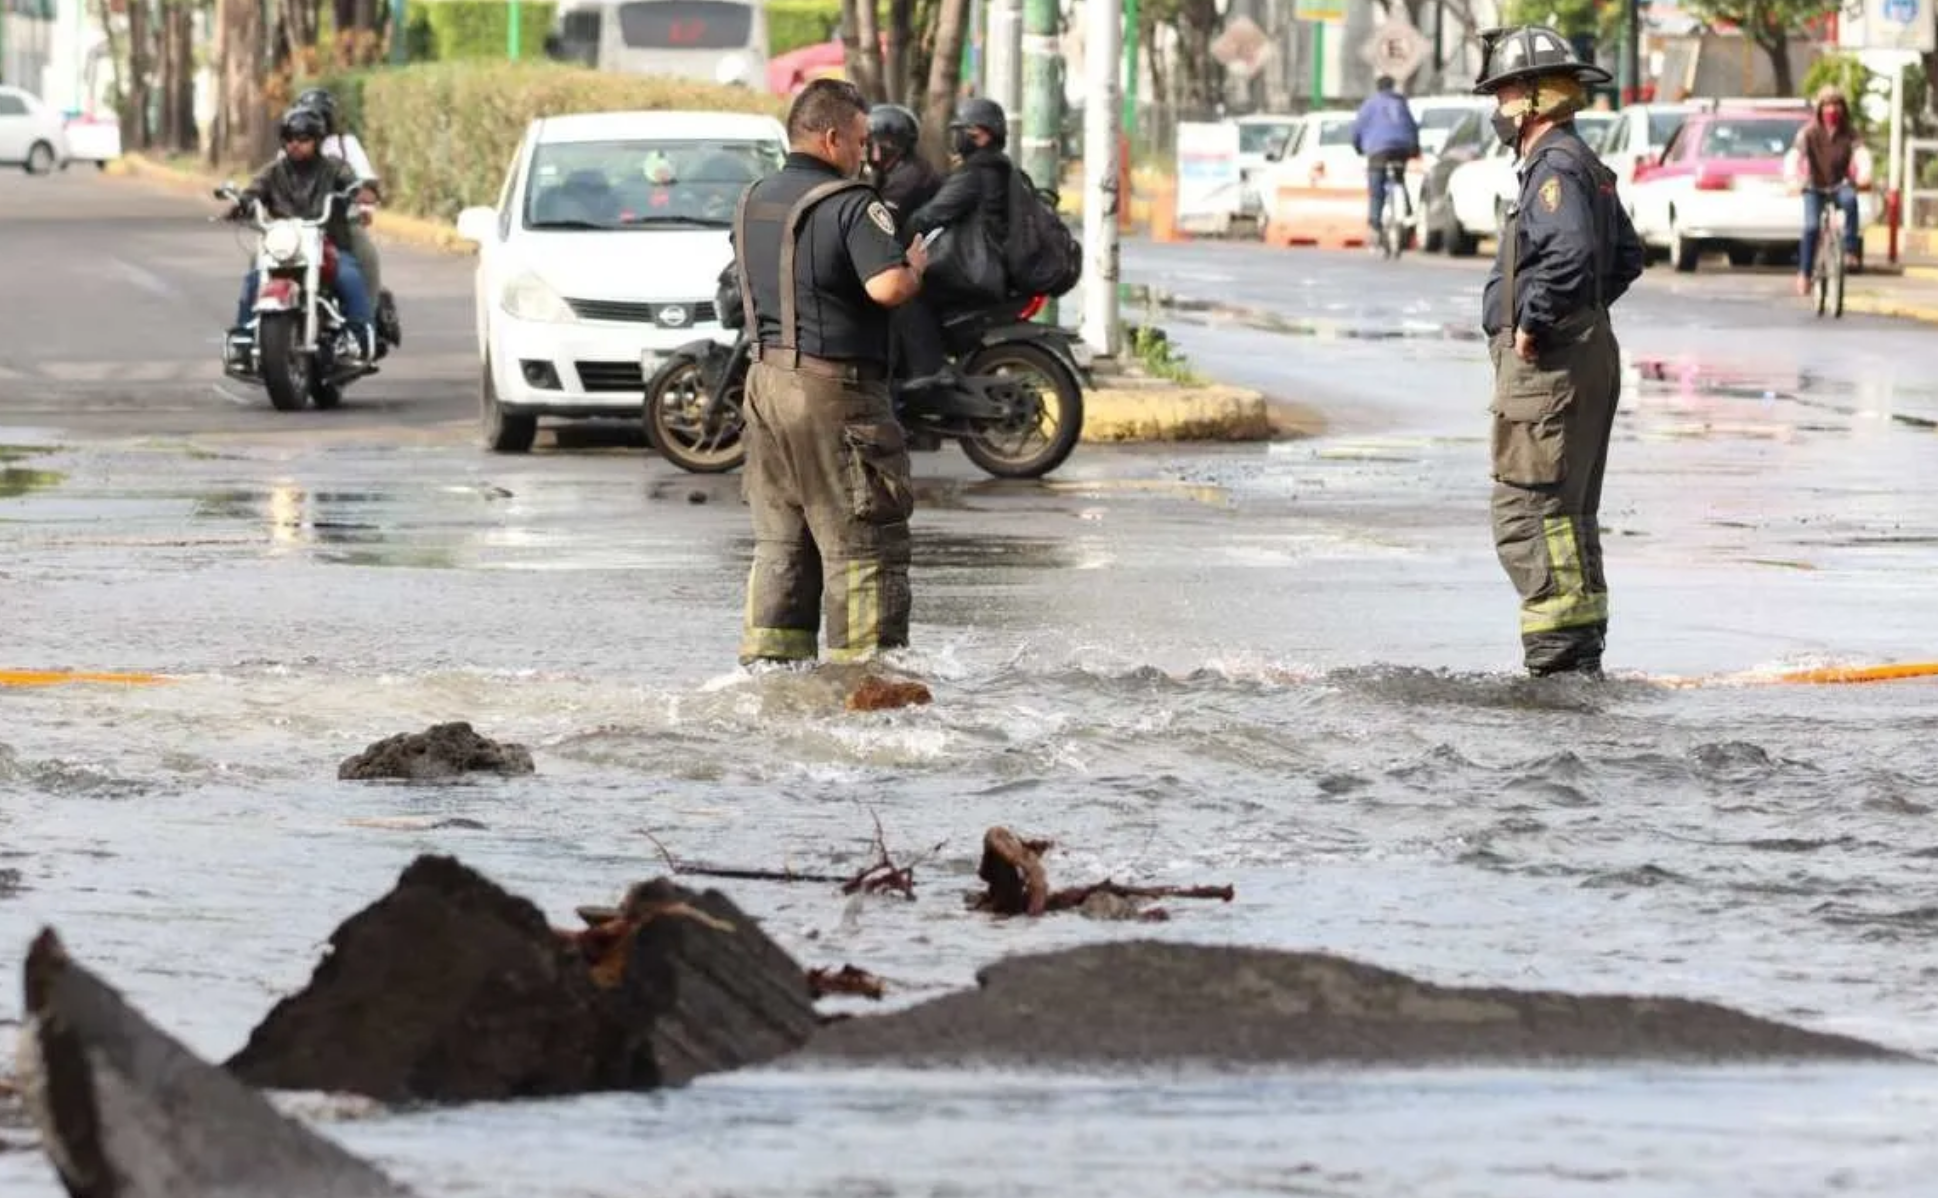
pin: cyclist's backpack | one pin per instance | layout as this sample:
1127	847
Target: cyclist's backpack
1043	257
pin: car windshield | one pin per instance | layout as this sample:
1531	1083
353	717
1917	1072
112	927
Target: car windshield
1260	137
642	184
1594	127
1663	126
1762	137
1441	118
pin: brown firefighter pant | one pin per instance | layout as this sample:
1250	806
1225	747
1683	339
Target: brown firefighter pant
1552	422
827	477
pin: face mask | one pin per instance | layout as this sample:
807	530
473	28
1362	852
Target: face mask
962	141
1507	128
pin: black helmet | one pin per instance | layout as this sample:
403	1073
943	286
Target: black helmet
892	126
300	123
321	102
1528	51
980	112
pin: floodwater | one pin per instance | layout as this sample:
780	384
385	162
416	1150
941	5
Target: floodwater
1287	668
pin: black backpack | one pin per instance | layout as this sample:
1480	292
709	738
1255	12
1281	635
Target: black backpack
1043	256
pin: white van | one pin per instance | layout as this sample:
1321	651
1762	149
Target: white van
721	41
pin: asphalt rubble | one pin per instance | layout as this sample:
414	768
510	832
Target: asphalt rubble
450	989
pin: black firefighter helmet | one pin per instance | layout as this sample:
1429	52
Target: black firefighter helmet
1527	52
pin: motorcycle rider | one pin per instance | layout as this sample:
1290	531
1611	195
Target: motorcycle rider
296	186
1384	131
1829	160
976	190
340	143
903	178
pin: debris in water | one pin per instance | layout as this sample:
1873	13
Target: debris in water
875	693
416	823
846	980
441	751
449	989
882	874
1019	885
125	1111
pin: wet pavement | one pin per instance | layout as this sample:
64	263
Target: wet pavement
1288	667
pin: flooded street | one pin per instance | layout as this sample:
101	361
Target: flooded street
1291	667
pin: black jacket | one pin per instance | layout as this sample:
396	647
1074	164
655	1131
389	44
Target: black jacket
905	188
298	190
979	186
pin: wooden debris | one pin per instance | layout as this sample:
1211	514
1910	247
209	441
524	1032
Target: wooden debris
1019	885
875	693
847	980
882	875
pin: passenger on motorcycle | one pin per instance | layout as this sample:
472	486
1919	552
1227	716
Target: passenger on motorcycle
296	186
1828	162
977	190
903	178
1384	131
340	143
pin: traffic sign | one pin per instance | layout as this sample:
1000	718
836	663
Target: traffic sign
1397	48
1242	48
1900	25
1319	10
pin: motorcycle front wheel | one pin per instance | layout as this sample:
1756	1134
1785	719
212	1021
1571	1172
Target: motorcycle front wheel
1047	432
285	372
675	415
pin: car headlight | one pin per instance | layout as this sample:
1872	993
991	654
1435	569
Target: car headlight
528	297
282	242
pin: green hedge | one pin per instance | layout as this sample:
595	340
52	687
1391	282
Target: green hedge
453	30
443	135
792	24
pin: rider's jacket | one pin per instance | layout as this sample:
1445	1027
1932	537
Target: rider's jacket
298	190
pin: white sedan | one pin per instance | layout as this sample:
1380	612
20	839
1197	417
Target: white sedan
1481	190
31	133
603	253
1319	158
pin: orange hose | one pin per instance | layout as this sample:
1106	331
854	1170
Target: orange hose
1836	674
56	677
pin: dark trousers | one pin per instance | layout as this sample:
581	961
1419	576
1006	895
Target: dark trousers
1813	208
918	339
1376	183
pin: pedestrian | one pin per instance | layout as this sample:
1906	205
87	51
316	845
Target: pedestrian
1567	252
827	470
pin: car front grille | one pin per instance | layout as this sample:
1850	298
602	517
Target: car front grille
698	312
610	376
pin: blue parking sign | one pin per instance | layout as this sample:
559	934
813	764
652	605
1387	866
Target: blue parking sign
1901	11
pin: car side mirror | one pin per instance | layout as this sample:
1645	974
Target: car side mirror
478	224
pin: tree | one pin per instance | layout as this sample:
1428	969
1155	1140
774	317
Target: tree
1769	24
242	132
1569	18
945	76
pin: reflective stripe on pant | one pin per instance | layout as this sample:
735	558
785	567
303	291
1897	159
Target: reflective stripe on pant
827	479
1553	419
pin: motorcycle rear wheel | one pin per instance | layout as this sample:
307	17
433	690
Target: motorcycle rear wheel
285	372
1026	449
676	400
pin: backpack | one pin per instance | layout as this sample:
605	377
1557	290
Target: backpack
1043	257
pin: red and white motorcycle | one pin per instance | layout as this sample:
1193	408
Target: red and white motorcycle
298	345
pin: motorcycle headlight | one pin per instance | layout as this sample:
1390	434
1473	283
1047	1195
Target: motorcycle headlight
528	297
282	242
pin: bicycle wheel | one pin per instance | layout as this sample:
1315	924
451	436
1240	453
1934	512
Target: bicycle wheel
1392	223
1835	277
1820	269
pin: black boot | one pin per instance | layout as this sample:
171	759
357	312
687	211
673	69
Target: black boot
389	328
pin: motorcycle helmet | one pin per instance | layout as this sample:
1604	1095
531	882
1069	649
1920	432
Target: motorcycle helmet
893	127
321	102
300	123
980	112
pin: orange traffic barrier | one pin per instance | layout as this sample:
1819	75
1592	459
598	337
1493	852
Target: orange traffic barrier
57	677
1330	217
1164	211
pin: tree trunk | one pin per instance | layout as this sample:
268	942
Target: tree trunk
1776	43
945	75
244	131
1198	74
899	46
188	137
165	66
861	39
114	66
135	127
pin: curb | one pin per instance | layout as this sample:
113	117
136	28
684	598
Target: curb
387	226
1879	305
1210	412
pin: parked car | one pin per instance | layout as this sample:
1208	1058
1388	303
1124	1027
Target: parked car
1636	140
1259	136
31	133
1437	117
1480	191
1470	138
1719	185
1320	155
604	252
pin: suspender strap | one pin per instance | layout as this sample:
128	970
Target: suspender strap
790	218
1511	235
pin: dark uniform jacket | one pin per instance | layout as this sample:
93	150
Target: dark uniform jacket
905	188
1577	248
979	186
844	241
298	190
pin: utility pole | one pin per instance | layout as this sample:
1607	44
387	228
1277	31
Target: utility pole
1002	55
512	31
1103	38
1042	102
1632	52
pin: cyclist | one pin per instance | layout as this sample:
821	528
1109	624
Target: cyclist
1826	163
1384	132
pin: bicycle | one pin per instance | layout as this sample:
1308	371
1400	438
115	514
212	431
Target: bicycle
1397	214
1827	273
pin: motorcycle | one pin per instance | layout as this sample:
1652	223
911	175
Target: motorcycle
297	344
1017	412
